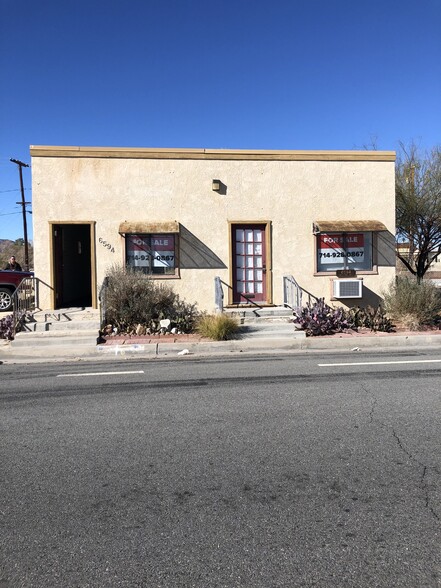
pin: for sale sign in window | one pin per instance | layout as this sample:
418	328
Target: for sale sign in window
151	253
343	250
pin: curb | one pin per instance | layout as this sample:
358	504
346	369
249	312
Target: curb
182	349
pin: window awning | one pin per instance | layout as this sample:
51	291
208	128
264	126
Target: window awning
136	227
348	226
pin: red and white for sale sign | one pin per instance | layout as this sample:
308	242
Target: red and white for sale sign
336	247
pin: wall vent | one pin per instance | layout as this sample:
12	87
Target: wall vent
347	288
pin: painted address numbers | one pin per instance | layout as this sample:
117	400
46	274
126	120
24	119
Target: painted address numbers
107	245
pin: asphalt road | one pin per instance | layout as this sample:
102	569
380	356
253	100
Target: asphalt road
274	471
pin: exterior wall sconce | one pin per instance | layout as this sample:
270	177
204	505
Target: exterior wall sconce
219	187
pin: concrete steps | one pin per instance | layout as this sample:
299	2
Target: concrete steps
63	320
55	331
266	323
266	314
50	338
271	331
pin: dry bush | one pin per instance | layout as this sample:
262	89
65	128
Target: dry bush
413	304
219	327
132	299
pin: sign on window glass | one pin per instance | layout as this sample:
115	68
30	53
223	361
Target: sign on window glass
150	253
163	250
337	247
344	251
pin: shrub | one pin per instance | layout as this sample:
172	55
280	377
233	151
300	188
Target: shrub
132	299
319	318
185	316
219	327
374	319
6	327
411	303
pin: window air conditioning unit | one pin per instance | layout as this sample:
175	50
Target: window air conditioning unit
347	288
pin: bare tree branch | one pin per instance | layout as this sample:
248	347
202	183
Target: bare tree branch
418	207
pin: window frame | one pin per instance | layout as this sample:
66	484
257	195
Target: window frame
155	276
332	272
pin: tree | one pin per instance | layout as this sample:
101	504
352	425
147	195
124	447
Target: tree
418	208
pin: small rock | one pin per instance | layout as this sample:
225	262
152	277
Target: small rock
165	324
140	330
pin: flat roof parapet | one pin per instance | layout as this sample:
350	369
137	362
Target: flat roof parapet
233	154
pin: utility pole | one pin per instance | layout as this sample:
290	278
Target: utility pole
23	207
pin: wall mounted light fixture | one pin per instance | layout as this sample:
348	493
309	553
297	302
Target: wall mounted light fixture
216	185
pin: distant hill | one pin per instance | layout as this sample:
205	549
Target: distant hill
5	244
16	248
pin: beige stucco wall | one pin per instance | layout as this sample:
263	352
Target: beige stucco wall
291	193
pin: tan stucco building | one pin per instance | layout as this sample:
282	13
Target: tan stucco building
188	216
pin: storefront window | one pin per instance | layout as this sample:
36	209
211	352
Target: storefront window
337	251
152	254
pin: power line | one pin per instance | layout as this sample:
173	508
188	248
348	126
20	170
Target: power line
21	165
13	190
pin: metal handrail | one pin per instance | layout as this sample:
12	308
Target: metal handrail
293	294
218	294
102	297
23	301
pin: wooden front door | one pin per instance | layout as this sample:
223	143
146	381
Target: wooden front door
249	263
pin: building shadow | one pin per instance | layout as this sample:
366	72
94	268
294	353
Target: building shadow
194	254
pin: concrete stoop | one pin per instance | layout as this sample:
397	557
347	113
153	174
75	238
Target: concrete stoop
60	320
271	330
49	332
267	322
246	315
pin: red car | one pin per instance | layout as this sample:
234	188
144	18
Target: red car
9	282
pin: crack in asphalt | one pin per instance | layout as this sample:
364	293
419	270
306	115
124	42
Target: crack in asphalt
425	468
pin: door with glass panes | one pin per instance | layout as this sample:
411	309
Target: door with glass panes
249	263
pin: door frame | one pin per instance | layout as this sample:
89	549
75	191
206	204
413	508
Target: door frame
53	268
268	257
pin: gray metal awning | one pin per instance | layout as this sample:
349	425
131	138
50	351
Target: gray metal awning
137	227
348	226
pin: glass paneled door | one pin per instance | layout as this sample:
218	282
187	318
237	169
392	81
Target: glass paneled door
249	264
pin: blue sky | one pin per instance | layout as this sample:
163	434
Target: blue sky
258	74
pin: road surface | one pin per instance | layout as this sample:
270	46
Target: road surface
292	471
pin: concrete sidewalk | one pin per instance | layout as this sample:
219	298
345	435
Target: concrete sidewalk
296	343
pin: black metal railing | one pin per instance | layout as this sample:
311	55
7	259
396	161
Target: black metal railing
23	302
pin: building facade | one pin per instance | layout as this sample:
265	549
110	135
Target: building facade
256	220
